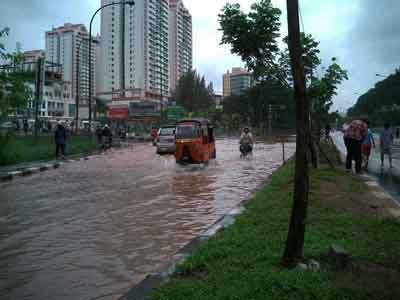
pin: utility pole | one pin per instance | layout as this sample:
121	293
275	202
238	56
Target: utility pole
38	91
270	120
295	240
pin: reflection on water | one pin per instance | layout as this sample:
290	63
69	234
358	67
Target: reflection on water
92	229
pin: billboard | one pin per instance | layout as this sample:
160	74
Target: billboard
143	109
118	112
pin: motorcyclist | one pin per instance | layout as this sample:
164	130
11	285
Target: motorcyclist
107	141
246	141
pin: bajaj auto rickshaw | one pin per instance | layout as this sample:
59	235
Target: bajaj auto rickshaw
195	141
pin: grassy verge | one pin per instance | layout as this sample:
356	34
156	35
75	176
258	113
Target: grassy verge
19	149
242	262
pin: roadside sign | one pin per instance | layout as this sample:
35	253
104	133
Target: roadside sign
174	113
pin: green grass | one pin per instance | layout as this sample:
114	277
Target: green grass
20	149
242	262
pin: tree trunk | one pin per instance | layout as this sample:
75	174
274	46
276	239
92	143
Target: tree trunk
313	153
295	240
313	145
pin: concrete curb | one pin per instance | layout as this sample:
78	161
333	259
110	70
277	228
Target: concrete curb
42	167
379	192
154	281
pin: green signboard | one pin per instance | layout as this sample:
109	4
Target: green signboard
174	113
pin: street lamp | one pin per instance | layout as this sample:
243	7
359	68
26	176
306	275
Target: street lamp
130	3
379	75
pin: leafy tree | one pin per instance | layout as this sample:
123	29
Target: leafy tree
310	58
14	92
322	92
381	103
192	93
253	36
253	106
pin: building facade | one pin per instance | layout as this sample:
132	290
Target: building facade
180	47
57	102
134	48
31	58
68	45
237	82
226	84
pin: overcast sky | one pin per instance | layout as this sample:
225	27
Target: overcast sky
363	34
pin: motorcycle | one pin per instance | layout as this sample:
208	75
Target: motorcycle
245	150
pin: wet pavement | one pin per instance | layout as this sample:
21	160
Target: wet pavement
388	178
92	229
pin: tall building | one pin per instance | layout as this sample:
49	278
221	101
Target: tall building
134	49
180	48
226	84
68	45
236	83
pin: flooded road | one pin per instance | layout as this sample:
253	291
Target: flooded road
92	229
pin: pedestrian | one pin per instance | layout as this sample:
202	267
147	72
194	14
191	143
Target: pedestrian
49	127
354	134
60	137
367	145
386	142
327	131
99	135
25	126
398	133
154	135
107	135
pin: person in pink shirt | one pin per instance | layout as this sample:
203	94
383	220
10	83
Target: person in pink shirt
354	134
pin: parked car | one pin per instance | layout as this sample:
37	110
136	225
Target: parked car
8	126
166	140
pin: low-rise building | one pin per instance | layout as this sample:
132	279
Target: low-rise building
57	102
31	58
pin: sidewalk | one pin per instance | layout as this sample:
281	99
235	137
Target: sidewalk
387	178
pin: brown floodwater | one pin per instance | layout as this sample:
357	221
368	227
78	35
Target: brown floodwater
92	229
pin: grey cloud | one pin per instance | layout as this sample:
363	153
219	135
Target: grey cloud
375	35
29	19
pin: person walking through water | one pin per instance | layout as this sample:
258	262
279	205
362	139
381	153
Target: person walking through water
60	138
353	136
386	142
367	145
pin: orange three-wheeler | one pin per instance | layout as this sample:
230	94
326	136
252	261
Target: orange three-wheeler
195	141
